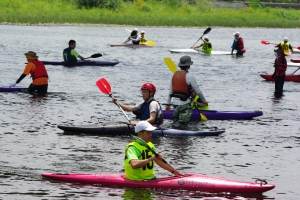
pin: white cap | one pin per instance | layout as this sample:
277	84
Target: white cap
236	33
205	38
142	31
135	29
144	125
286	39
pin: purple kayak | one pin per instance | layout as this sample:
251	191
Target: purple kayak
82	63
12	89
218	115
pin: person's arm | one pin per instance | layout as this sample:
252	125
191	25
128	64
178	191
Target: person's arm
74	53
124	107
133	159
169	98
233	47
166	166
191	80
291	48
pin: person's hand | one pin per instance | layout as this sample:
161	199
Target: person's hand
176	173
13	84
133	123
168	108
158	157
114	99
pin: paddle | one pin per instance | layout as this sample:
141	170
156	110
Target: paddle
267	42
171	65
96	55
205	32
105	87
296	70
150	42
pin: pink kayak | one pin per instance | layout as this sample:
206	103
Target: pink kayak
288	77
190	182
130	45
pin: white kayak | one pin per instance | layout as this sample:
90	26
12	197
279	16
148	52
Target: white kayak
296	50
290	64
199	51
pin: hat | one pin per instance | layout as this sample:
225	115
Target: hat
31	55
144	125
135	29
206	38
236	33
142	31
286	39
185	61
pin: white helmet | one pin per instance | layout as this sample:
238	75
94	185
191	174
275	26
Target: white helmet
142	31
286	39
135	29
206	38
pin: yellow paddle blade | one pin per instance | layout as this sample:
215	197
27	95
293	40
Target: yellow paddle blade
150	42
202	117
128	30
171	65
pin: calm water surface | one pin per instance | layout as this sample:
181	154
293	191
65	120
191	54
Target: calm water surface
30	143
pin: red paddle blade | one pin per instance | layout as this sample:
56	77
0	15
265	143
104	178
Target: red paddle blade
265	42
104	86
298	48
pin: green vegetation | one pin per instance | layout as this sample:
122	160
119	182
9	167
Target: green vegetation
145	13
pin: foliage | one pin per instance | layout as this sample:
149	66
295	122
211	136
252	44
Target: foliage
254	3
110	4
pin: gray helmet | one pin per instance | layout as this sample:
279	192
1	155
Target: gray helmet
185	61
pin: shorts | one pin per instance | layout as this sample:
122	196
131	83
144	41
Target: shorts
182	113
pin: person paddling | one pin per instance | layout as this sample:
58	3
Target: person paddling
69	54
238	44
138	163
286	46
148	110
38	73
134	37
206	45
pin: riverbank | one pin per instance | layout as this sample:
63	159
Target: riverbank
140	13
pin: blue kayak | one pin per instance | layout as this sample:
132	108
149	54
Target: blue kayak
218	115
13	89
122	128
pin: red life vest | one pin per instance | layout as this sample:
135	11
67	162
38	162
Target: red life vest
240	44
178	82
280	66
39	71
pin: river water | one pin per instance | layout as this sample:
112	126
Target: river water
266	147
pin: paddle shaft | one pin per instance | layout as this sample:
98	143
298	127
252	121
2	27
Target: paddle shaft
296	70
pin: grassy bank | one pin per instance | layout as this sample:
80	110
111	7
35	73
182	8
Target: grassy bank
150	13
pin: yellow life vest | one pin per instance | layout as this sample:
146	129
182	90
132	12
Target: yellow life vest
285	46
205	48
142	173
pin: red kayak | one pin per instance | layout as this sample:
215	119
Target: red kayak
189	182
288	77
295	60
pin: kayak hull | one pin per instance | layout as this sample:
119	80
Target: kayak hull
288	77
131	45
296	51
13	89
218	115
82	63
199	52
121	128
295	60
189	182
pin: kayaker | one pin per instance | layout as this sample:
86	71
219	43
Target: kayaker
134	37
206	45
182	85
69	54
238	44
280	66
138	163
149	110
143	40
38	73
196	102
287	47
